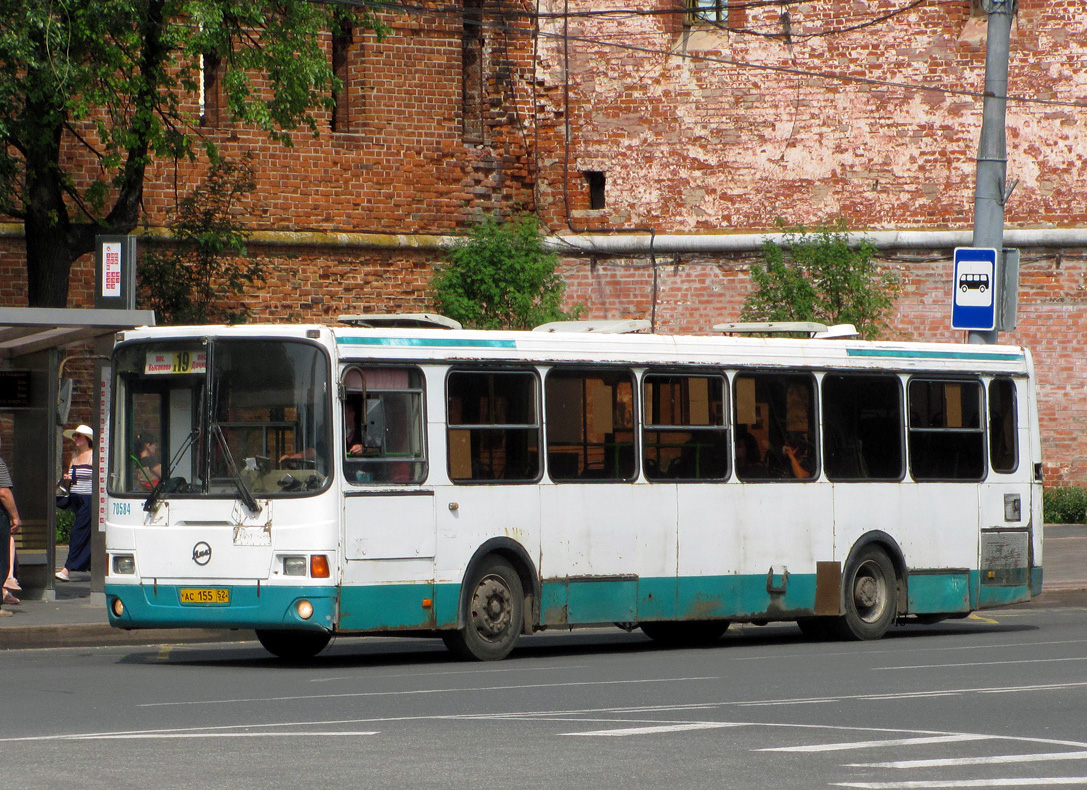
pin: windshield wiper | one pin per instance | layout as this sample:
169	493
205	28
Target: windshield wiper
166	483
243	490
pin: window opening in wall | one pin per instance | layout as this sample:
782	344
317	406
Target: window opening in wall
597	182
1003	426
684	435
775	426
947	438
590	425
472	98
210	68
707	11
342	38
862	427
383	425
494	427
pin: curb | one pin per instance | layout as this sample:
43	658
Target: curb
1063	596
104	635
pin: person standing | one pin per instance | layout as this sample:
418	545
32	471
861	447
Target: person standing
80	478
9	523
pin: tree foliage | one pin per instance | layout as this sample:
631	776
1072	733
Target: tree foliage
117	80
199	280
819	276
502	277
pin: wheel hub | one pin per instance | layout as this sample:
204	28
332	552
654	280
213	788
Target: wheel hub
869	594
493	612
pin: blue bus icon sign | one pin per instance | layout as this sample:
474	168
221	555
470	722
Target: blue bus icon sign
973	302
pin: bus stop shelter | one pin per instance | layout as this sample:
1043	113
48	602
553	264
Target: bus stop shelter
34	404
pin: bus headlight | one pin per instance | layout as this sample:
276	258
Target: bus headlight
294	566
117	607
304	609
124	564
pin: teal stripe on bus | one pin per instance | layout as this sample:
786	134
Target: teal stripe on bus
904	354
429	342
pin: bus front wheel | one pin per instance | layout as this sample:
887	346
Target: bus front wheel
293	645
870	595
494	614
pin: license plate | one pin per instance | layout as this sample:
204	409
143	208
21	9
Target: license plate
213	595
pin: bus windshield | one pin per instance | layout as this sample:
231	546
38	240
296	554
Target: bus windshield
224	418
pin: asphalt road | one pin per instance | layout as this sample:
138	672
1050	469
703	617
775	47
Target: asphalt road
992	701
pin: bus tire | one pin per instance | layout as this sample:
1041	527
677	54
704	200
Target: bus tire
293	645
493	616
869	595
690	633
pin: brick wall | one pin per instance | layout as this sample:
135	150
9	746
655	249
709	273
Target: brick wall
691	139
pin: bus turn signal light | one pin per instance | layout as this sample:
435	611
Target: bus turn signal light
318	566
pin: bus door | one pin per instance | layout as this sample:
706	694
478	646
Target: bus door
1006	527
388	515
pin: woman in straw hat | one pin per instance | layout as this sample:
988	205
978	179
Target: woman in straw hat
80	478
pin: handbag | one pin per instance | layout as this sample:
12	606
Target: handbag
63	494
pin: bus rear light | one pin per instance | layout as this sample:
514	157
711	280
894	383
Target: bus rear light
124	564
318	566
294	566
304	609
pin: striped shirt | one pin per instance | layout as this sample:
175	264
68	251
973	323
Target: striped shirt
82	478
5	475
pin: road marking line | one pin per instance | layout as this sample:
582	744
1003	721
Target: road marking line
833	747
953	783
876	652
702	725
410	692
489	671
1002	759
984	663
978	618
184	735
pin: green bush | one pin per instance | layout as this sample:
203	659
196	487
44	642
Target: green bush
502	276
65	519
820	276
1064	505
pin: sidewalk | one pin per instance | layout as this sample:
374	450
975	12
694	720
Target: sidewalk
78	619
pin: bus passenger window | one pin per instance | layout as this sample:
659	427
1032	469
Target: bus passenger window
775	426
946	434
494	428
862	427
1003	426
684	435
383	425
590	425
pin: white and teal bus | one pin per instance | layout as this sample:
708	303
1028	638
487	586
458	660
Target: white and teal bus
315	481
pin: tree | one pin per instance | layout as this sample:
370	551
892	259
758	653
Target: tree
501	277
111	78
199	280
819	276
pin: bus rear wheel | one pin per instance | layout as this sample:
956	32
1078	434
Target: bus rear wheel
494	614
870	595
293	645
685	633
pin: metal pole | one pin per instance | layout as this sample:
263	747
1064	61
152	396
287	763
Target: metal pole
992	163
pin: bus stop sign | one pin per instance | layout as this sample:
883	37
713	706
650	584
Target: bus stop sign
973	303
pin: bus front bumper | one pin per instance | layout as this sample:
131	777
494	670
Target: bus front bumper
221	606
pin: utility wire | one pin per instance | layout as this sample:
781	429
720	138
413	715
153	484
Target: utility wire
602	40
